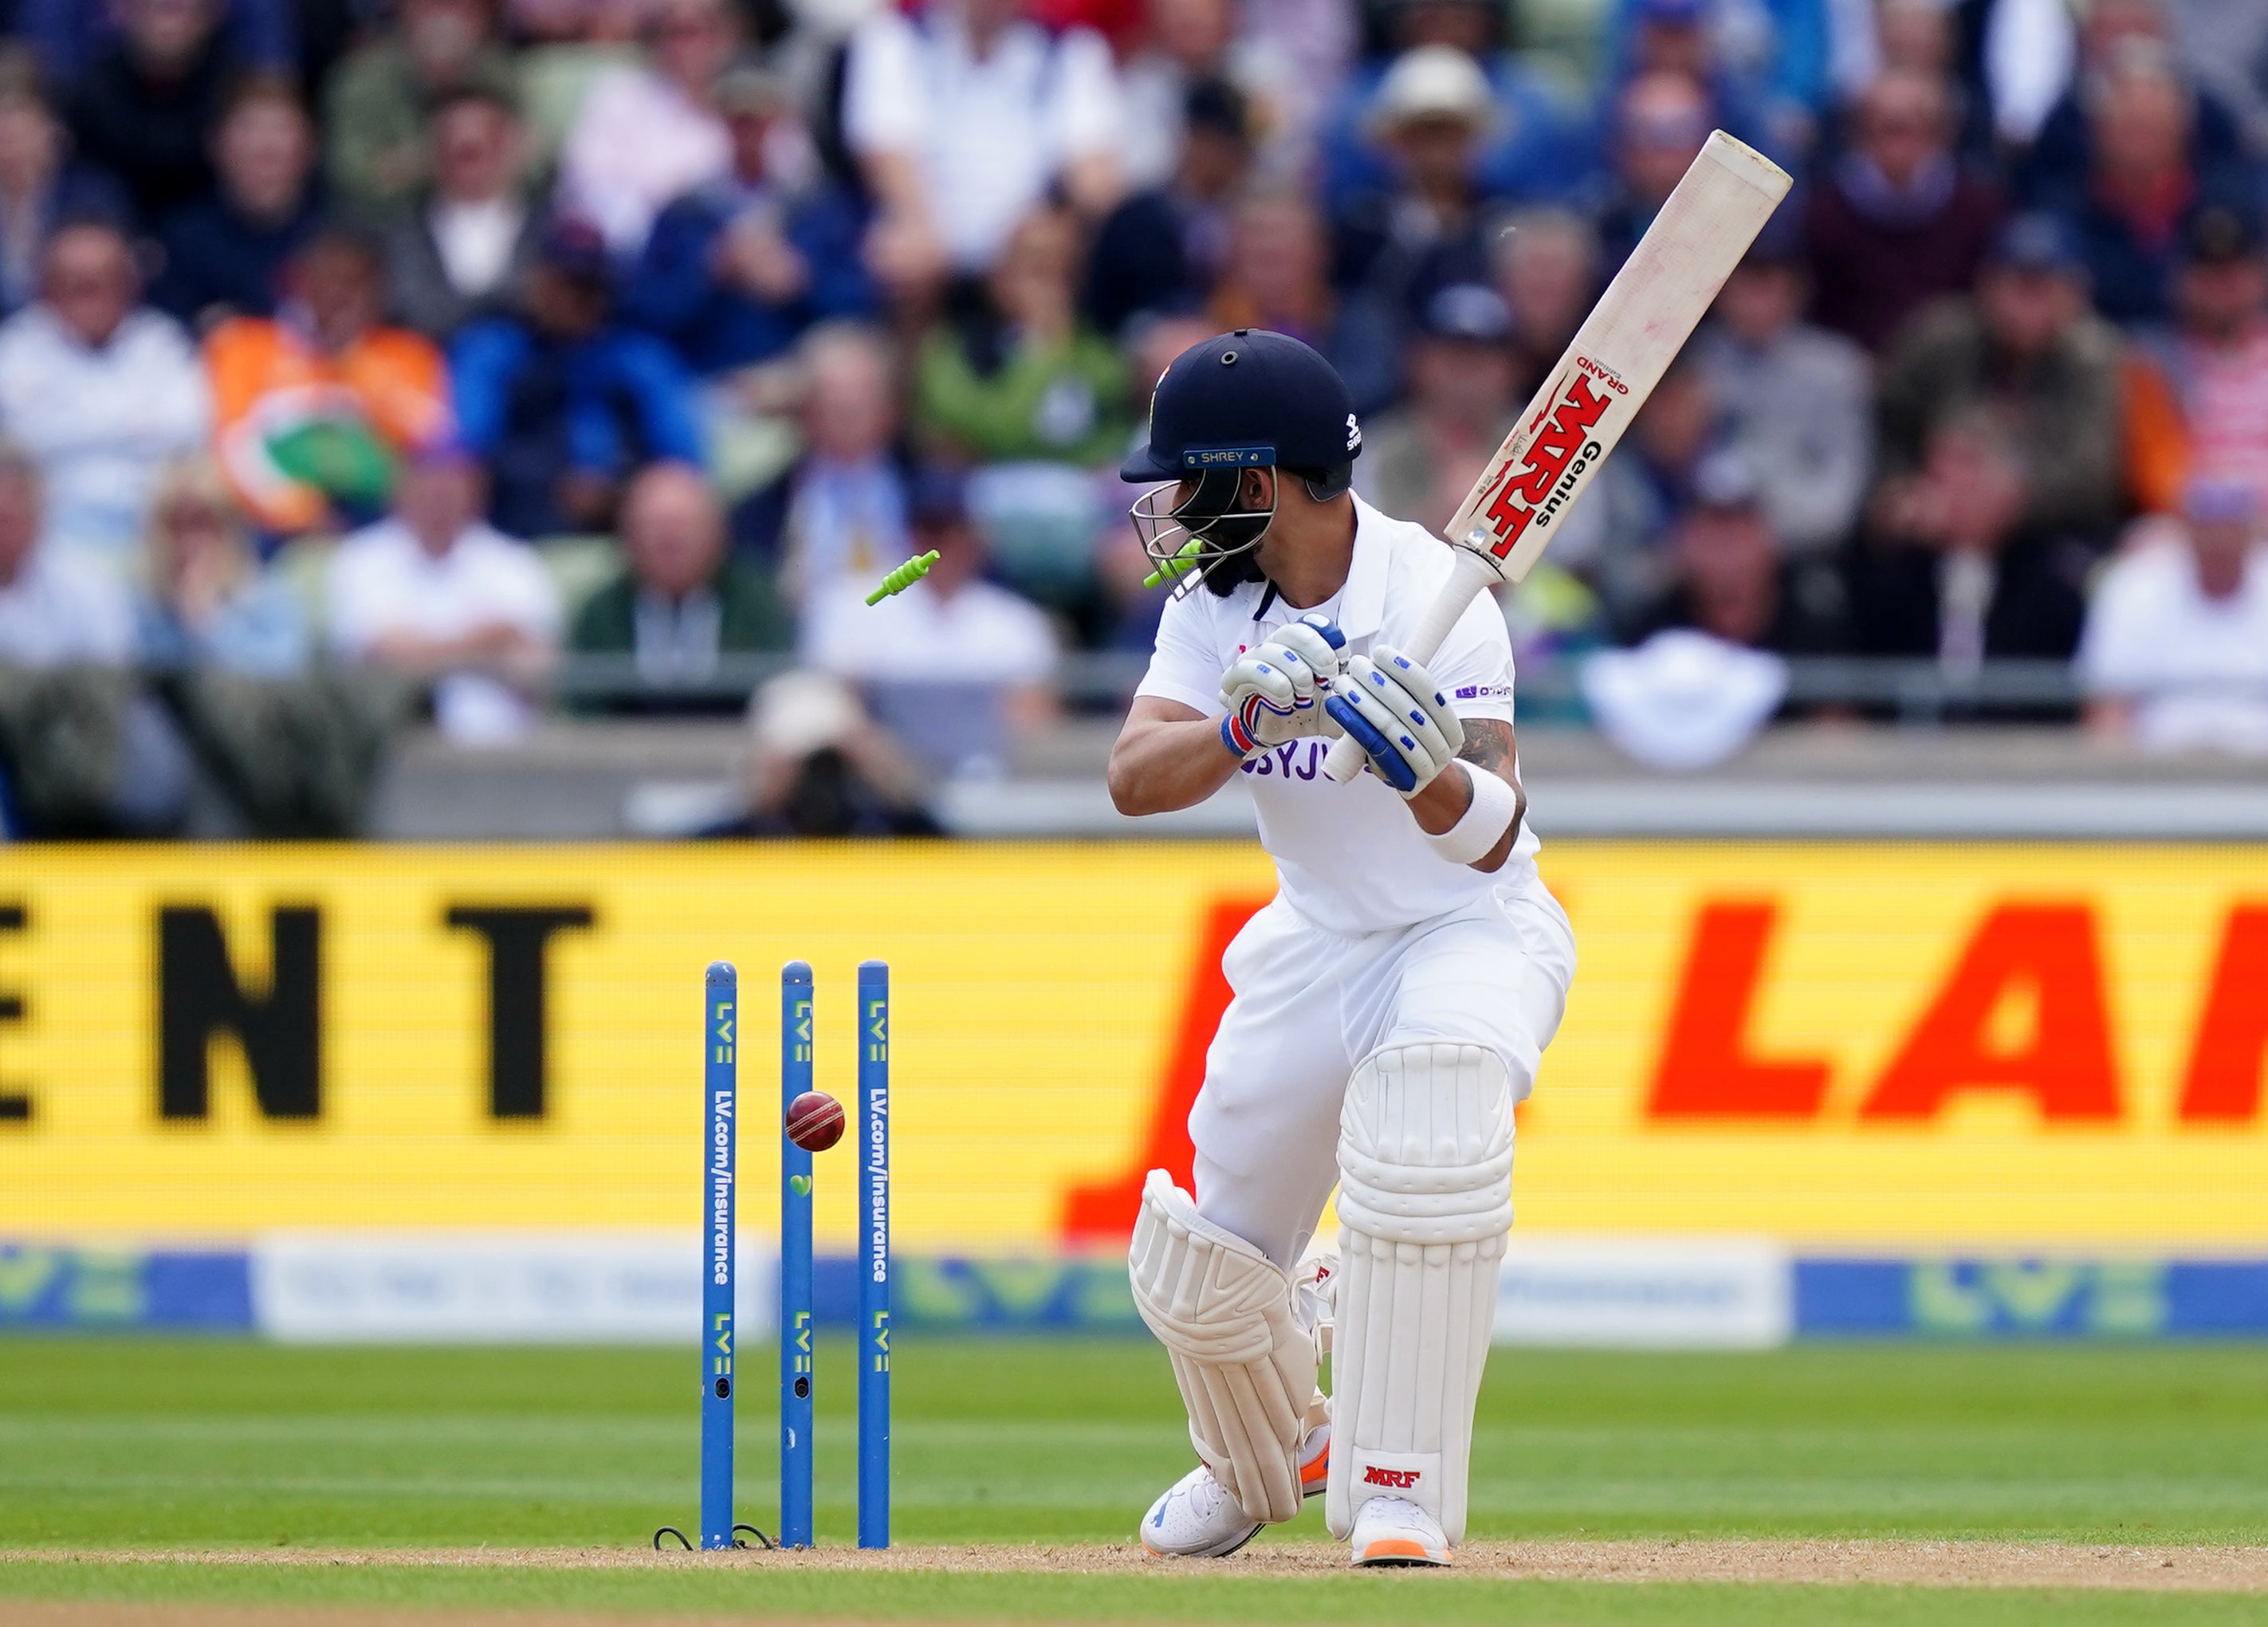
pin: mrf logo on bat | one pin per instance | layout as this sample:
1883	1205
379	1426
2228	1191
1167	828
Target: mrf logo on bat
1547	472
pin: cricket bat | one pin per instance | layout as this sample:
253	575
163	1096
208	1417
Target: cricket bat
1618	356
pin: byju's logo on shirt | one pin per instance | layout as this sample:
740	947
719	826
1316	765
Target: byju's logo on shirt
1293	760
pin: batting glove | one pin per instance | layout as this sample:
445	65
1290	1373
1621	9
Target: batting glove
1391	707
1274	693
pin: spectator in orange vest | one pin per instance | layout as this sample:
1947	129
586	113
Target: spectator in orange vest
316	406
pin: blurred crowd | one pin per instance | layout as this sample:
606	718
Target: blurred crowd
453	339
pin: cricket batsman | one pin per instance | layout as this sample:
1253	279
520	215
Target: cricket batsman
1392	1002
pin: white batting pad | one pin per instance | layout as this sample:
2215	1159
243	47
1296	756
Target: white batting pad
1424	1202
1245	1363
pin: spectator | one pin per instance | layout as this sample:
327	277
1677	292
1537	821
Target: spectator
680	600
1616	540
145	107
2027	348
1897	224
563	402
39	189
962	122
67	35
378	123
224	253
1730	580
955	666
2174	656
647	135
2142	183
1193	42
1310	42
1024	380
841	511
1160	251
2197	394
472	236
208	604
1956	567
433	594
54	609
1420	458
1547	268
2114	36
1275	277
100	391
737	268
1796	401
1660	121
314	405
818	766
565	48
1429	227
1543	146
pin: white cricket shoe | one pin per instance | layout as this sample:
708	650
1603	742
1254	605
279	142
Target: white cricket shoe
1394	1530
1198	1517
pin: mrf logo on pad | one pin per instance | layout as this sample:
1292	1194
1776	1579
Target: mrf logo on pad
1562	448
1393	1479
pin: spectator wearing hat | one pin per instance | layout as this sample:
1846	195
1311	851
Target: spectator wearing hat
41	186
2026	349
1797	401
818	766
1897	223
955	667
1158	252
561	400
314	407
378	123
737	268
1421	457
962	120
2174	656
224	254
101	391
2196	391
145	106
469	237
649	134
680	599
1731	579
1276	275
2144	180
1763	66
433	594
1430	226
1541	145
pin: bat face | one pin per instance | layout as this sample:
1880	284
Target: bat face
1562	442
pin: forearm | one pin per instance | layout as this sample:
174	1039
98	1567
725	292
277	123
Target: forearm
1162	764
1448	797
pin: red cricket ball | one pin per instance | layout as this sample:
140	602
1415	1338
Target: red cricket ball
814	1121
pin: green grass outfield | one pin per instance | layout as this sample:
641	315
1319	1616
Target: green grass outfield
138	1444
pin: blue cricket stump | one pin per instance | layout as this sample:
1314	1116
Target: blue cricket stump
719	1049
795	1307
873	1255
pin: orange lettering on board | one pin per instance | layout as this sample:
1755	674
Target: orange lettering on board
2222	1083
2065	1064
1706	1070
1108	1210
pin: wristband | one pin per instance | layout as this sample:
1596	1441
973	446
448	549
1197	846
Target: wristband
1237	738
1495	807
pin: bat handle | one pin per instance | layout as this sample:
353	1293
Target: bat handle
1472	574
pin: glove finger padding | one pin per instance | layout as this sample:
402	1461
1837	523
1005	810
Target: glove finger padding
1391	705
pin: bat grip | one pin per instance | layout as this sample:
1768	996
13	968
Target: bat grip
1472	573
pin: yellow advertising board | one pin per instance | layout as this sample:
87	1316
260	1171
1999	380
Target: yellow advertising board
1846	1044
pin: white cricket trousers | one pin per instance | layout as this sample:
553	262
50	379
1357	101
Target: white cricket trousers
1310	1005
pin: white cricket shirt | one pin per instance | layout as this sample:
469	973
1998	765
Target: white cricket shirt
1349	857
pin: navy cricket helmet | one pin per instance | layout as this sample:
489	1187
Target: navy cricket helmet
1251	399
